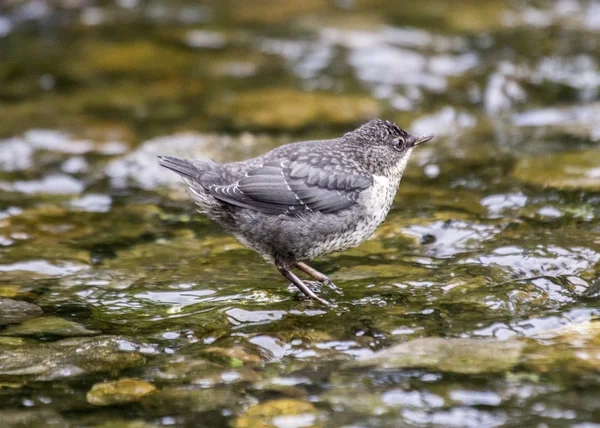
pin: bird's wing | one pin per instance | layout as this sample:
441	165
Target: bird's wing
287	186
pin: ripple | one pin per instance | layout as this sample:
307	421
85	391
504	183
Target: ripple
451	238
542	260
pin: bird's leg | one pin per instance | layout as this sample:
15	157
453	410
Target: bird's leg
298	283
322	278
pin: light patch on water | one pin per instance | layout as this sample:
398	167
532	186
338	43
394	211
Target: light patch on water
402	331
9	212
93	202
93	16
141	167
205	39
548	260
75	165
475	398
237	316
446	121
43	267
291	381
502	93
452	238
460	417
585	117
53	185
385	58
56	141
402	398
539	327
15	155
549	212
566	13
5	26
184	298
275	347
294	421
497	204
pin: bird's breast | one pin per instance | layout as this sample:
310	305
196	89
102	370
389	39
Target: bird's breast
379	197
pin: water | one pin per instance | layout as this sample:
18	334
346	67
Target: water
474	305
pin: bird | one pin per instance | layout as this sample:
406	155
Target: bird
302	200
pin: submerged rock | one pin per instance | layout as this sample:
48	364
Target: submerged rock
578	170
32	418
236	356
468	356
66	358
571	349
119	391
278	413
16	311
189	400
49	325
290	109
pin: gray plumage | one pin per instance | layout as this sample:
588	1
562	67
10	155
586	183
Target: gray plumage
306	199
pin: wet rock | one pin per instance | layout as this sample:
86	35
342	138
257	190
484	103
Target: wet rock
277	413
189	400
469	356
273	11
49	325
119	391
287	109
32	418
579	170
571	349
180	368
66	358
120	423
139	56
236	356
15	311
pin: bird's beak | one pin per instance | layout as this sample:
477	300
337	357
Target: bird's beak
423	139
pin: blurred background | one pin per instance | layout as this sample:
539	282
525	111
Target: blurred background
474	305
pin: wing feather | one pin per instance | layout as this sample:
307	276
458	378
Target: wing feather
287	186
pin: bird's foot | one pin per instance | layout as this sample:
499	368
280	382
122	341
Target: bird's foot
314	287
318	287
329	284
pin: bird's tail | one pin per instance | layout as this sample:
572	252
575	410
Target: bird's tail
182	167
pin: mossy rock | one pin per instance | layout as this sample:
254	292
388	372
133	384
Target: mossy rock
262	414
288	109
571	171
465	356
119	391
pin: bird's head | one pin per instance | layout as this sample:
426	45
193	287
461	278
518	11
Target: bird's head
386	144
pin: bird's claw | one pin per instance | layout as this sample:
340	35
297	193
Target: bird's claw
329	284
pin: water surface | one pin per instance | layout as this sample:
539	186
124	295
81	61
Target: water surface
475	304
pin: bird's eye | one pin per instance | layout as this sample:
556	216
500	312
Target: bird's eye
400	142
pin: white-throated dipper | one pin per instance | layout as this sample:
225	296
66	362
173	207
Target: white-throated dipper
302	200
